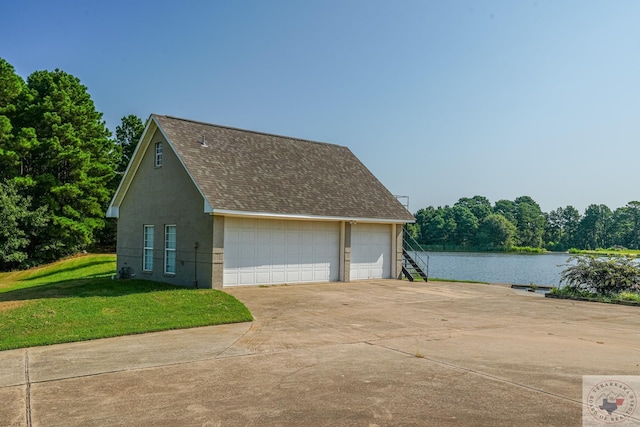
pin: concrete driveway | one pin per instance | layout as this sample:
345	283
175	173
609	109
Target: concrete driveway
375	353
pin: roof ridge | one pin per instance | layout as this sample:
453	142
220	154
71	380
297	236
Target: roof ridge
250	131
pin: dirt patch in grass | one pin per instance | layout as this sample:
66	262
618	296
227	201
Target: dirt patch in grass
10	305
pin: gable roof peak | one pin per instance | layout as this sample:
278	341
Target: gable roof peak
248	131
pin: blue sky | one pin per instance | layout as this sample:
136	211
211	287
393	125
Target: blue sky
439	99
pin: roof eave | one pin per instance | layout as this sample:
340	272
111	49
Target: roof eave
304	217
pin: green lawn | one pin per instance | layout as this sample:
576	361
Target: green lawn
606	252
76	299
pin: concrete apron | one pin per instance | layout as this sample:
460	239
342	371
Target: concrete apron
366	353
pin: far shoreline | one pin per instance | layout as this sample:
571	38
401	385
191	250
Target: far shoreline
540	251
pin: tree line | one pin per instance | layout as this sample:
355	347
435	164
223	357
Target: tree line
59	167
475	224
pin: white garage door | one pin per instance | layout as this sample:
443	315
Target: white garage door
261	251
370	251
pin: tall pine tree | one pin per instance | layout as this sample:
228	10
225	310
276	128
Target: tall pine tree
128	134
21	220
61	154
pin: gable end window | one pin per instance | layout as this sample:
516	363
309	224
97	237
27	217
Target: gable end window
147	256
169	249
158	154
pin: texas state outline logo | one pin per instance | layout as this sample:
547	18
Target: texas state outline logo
610	400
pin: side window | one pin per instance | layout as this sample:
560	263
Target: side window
147	255
158	154
170	249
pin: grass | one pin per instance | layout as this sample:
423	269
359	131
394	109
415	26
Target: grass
527	249
606	252
76	299
571	292
82	266
629	296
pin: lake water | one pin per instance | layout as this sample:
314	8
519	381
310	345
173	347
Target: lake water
518	269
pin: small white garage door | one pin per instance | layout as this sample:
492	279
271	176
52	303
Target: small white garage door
370	251
261	251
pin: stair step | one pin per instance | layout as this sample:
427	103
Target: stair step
408	274
416	270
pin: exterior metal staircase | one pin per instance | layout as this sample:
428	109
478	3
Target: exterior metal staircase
415	260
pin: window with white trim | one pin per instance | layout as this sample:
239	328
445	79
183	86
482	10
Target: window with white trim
170	249
147	252
158	154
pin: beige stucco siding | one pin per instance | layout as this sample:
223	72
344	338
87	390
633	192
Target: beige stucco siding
162	196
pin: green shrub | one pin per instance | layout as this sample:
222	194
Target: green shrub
572	292
629	296
555	247
528	249
600	275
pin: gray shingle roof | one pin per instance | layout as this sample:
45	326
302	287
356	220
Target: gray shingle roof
248	171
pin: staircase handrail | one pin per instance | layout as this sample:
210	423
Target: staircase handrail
409	243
